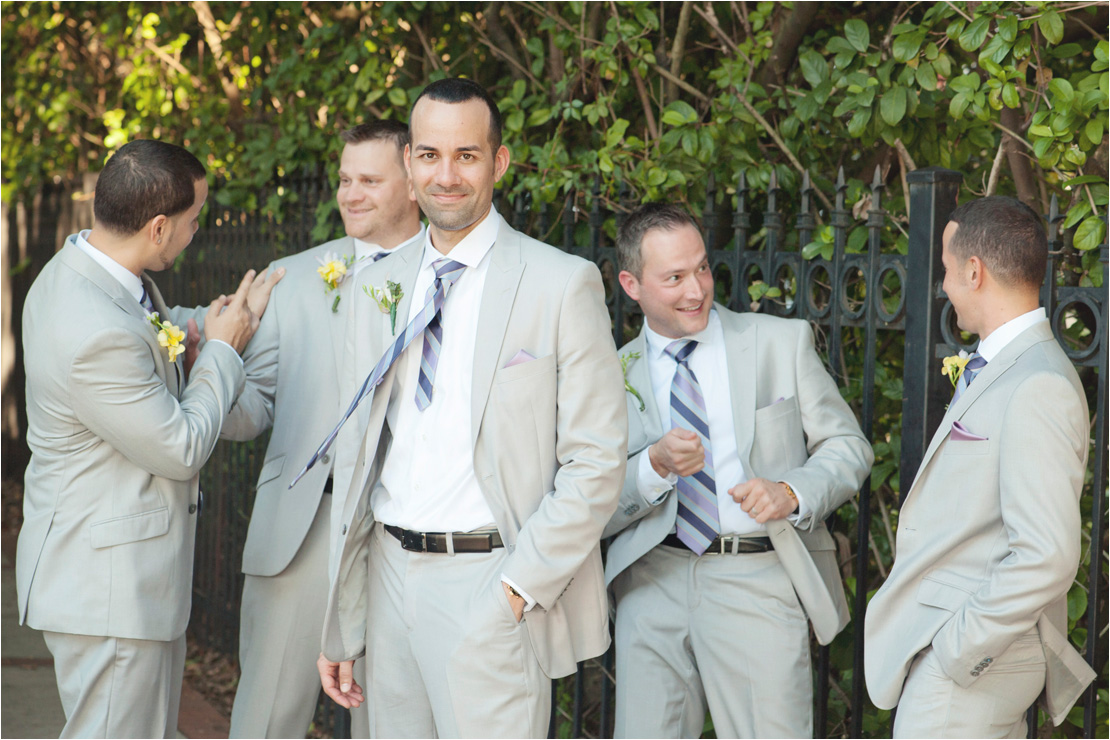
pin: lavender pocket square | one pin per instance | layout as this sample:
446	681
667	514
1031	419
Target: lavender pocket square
520	358
960	433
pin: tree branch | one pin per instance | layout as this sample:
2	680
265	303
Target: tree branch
1020	168
215	42
502	44
678	50
787	40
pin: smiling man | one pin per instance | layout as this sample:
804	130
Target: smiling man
293	372
482	469
740	447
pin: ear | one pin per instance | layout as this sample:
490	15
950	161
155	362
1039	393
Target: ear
158	228
976	272
408	162
501	162
630	284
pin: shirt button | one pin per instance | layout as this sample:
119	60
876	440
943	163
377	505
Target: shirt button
192	508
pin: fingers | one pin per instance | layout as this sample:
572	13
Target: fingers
192	333
687	434
345	677
337	682
244	287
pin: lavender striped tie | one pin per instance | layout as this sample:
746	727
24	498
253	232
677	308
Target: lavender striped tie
447	272
975	363
698	521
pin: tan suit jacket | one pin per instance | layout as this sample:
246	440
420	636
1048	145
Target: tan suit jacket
988	535
301	335
549	440
791	425
117	443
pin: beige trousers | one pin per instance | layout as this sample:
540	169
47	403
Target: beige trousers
723	632
445	656
115	687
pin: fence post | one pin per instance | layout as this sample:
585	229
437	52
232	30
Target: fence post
925	392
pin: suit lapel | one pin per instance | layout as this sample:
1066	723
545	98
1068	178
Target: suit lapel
337	322
994	370
740	350
498	295
76	258
174	373
639	377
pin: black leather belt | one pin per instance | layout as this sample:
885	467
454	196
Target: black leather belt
726	545
328	485
436	542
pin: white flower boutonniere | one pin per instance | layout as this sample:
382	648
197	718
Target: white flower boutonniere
626	360
169	336
953	366
333	269
387	299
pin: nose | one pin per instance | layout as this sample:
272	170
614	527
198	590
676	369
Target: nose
695	291
446	174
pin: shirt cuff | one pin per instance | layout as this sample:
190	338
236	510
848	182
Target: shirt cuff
649	483
220	341
802	512
529	602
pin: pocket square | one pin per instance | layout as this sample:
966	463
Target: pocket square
519	358
960	433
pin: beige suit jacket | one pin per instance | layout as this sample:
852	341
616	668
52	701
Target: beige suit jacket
791	425
549	440
117	443
300	335
988	536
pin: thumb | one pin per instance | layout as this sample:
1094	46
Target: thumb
683	433
346	669
192	331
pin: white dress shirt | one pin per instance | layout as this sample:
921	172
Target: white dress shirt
428	482
710	364
1003	335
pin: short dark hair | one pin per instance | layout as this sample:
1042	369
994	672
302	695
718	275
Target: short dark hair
630	235
460	90
144	179
1007	235
380	130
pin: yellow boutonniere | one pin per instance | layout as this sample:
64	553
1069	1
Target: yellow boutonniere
333	269
625	361
953	366
387	299
169	336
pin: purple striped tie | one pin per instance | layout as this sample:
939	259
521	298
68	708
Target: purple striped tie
447	272
698	521
975	363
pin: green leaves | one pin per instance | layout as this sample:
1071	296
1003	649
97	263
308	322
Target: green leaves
893	105
973	36
1052	26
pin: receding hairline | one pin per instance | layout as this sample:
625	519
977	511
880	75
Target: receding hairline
472	101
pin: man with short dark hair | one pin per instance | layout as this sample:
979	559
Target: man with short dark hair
104	562
971	625
740	446
483	467
293	376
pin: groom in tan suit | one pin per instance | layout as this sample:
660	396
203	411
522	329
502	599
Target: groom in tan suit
118	435
740	447
481	471
970	626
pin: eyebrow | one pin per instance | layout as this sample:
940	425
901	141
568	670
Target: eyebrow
467	148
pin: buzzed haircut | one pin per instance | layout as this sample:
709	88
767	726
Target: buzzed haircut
630	235
460	90
380	130
1007	235
145	179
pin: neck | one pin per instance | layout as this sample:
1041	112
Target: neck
1004	311
409	228
127	251
444	241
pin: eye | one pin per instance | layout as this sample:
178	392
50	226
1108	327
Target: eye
466	156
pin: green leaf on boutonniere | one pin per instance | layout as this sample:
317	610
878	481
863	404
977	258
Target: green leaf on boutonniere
626	360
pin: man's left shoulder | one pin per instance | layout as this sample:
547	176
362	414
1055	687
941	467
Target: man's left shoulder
766	324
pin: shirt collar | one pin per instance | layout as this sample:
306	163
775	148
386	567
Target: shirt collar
1003	335
129	280
474	246
365	249
657	343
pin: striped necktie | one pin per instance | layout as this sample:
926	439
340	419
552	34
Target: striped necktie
975	363
447	272
146	301
378	256
698	522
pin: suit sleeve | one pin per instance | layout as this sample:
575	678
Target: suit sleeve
253	412
840	457
118	394
591	447
1042	460
640	494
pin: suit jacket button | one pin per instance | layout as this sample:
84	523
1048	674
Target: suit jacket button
975	672
325	459
344	529
987	660
632	509
192	508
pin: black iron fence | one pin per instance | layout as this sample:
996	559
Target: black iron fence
882	322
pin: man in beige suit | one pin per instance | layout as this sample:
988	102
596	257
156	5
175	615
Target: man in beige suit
740	446
293	376
970	626
483	468
105	557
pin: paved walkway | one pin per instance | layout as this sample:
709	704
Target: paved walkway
29	703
